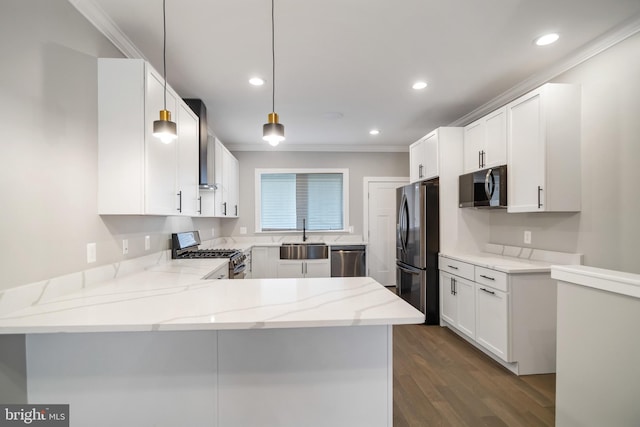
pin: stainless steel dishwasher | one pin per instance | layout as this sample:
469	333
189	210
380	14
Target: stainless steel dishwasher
348	260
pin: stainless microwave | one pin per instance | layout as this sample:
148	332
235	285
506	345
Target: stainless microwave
486	188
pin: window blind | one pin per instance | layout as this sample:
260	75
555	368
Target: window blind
288	198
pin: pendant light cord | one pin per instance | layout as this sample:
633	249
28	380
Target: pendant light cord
164	50
273	60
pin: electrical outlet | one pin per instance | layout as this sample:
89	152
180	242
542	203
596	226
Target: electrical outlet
527	237
213	233
243	230
125	247
91	253
147	243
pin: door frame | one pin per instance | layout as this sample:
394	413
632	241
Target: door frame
365	203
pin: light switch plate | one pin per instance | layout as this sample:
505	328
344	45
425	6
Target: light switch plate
125	246
147	243
243	230
527	237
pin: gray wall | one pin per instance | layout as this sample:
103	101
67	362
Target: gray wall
607	230
48	123
359	165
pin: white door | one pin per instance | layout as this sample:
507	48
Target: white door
380	216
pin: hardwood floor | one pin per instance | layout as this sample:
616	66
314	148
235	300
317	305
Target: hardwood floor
441	380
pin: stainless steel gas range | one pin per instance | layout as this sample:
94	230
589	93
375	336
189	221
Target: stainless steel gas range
185	246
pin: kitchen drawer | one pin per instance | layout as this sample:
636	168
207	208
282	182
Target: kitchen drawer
456	267
492	278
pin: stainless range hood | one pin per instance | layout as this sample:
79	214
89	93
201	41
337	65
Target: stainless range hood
200	109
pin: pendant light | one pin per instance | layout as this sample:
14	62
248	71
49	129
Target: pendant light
272	131
164	128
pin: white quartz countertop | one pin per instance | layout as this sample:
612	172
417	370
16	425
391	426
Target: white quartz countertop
606	280
505	264
172	296
514	259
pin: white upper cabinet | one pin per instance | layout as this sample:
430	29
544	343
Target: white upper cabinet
424	154
137	173
188	162
227	174
417	154
543	136
485	142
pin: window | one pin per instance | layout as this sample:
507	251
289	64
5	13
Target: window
287	197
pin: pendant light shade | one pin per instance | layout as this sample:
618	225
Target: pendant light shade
273	131
164	129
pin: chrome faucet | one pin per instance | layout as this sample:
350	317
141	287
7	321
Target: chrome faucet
304	230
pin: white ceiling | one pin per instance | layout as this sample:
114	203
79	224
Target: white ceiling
358	58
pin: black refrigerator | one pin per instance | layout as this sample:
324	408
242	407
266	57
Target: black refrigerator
417	247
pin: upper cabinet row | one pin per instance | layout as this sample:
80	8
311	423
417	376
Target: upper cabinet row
137	173
537	136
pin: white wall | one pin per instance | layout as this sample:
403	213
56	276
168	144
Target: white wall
359	165
48	123
607	230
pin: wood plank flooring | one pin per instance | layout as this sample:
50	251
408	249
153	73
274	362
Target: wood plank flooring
441	380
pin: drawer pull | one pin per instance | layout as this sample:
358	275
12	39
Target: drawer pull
487	277
451	266
488	291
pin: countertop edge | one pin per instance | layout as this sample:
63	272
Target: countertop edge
618	282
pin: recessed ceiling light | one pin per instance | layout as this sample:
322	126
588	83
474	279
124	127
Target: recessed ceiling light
374	132
256	81
547	39
419	85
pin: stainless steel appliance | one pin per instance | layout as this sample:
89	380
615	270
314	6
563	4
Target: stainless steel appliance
484	189
348	260
185	246
417	246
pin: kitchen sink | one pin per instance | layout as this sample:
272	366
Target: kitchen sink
304	251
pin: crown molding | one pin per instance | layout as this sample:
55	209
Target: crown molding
103	23
320	148
625	30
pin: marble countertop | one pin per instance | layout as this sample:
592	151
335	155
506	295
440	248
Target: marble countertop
606	280
514	260
173	296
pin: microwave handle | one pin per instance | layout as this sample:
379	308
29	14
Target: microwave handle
489	184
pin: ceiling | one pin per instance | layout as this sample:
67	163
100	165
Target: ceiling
346	67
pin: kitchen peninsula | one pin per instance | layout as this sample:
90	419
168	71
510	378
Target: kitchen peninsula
164	347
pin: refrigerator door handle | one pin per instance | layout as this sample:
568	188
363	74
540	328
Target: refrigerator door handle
403	223
409	270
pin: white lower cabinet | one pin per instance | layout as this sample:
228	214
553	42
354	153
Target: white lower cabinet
304	268
457	303
264	261
492	310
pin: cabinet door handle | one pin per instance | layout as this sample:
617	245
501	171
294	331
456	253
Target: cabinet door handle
224	208
451	286
539	200
236	210
487	277
455	287
453	267
179	201
479	159
200	204
420	171
488	291
484	163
